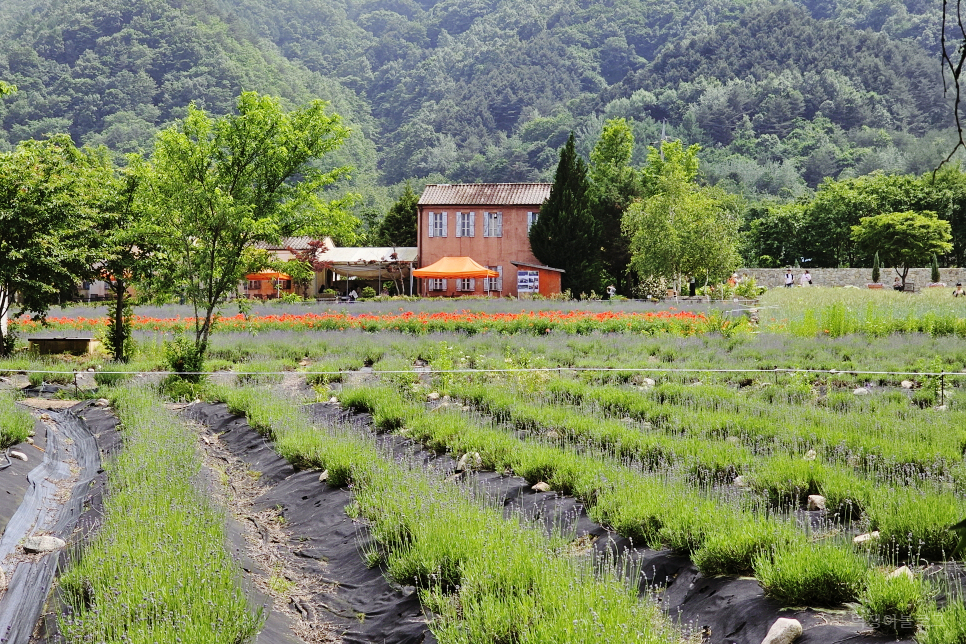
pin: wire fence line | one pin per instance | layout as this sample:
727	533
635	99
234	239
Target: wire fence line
843	372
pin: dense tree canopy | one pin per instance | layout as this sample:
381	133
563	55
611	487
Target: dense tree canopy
779	95
680	228
398	228
614	186
50	195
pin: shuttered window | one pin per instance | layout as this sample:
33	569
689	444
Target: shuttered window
466	224
437	224
493	224
495	283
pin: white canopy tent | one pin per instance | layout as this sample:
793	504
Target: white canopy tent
378	263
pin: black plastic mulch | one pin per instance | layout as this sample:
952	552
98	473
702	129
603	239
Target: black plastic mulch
359	601
734	610
327	543
36	505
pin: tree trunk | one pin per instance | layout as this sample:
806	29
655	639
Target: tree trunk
120	330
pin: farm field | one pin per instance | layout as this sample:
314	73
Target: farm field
796	462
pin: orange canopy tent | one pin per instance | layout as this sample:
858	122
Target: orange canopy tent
455	268
267	275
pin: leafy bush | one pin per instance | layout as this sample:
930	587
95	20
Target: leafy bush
51	378
108	378
185	359
367	293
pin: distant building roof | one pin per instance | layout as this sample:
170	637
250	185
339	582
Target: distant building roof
485	194
370	262
539	266
295	243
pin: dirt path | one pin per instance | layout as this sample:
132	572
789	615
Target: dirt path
304	538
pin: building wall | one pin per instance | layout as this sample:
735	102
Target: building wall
513	246
775	277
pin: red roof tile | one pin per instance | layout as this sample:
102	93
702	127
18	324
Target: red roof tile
485	194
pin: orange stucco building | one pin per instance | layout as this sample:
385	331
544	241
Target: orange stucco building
489	222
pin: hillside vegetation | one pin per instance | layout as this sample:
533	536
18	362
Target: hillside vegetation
780	95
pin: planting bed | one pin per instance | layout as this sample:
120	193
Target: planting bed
681	457
722	609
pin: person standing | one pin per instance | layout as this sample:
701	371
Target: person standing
959	292
789	278
611	291
806	279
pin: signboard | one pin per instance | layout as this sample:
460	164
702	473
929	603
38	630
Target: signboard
528	281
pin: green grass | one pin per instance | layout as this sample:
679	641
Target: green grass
15	423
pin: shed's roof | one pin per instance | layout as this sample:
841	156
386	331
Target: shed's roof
485	194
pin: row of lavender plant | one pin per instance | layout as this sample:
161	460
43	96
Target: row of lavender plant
664	510
492	579
158	569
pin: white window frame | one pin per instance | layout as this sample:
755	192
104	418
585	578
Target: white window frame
466	224
436	224
532	219
466	284
493	224
437	284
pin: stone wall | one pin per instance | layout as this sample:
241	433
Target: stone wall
775	277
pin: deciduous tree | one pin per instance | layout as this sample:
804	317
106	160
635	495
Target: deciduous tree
614	186
49	202
903	239
681	228
221	185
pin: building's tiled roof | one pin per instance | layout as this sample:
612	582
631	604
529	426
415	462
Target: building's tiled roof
485	194
295	243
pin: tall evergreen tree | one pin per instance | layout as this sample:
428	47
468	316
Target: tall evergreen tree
399	226
566	235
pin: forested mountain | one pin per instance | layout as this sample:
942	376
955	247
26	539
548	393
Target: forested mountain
780	95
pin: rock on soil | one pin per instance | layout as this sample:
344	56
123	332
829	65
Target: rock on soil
783	631
16	454
901	572
865	538
861	391
541	487
907	384
42	543
816	502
